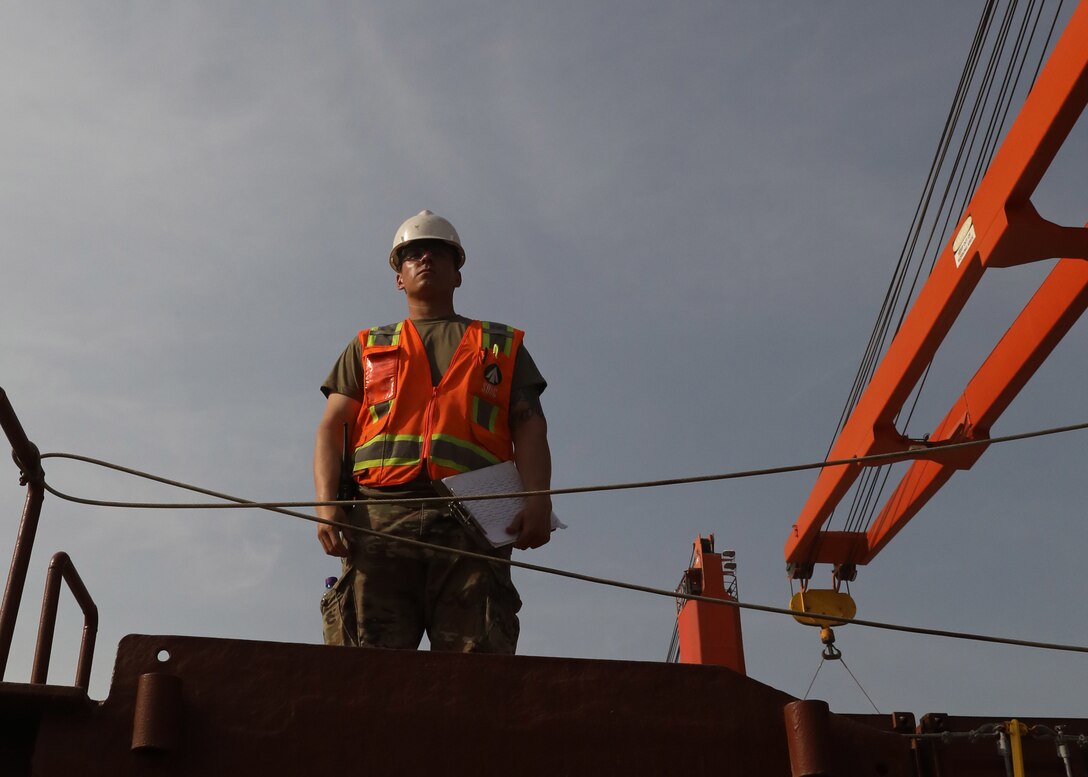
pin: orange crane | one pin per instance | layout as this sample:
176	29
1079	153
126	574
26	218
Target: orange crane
1000	228
708	633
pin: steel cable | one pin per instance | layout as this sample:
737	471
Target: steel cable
952	202
281	508
920	451
866	693
880	332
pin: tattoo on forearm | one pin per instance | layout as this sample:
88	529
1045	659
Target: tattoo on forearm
523	406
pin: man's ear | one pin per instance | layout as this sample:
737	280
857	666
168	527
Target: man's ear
400	282
458	284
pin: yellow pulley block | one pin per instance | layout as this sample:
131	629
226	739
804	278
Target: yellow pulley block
822	607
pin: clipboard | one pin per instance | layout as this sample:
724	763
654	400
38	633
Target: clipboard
488	517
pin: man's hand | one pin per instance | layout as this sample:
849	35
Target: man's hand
533	524
529	430
339	410
330	537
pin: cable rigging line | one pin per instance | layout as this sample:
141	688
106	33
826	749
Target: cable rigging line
280	507
611	582
880	328
987	115
989	148
824	660
863	518
866	694
816	674
919	451
1016	61
879	334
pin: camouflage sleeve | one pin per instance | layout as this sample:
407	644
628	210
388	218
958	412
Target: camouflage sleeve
347	374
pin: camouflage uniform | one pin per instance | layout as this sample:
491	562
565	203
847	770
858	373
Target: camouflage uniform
462	604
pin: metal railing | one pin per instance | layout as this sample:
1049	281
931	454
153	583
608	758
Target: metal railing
61	568
28	460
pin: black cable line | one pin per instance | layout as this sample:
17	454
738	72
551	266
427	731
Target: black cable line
927	451
861	517
879	335
844	666
983	162
672	594
891	295
812	682
1046	45
280	508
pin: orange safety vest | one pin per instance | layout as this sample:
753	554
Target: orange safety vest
405	424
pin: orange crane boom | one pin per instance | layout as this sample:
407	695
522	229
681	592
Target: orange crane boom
1000	228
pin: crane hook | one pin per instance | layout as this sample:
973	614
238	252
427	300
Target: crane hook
827	636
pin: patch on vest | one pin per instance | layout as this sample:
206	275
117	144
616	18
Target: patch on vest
492	374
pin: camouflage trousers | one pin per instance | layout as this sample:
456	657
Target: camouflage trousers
390	594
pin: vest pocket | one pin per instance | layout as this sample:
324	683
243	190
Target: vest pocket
379	376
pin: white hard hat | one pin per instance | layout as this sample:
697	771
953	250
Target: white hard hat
426	226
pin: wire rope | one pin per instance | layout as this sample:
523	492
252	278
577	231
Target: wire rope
920	451
879	334
280	507
816	674
862	515
859	685
989	110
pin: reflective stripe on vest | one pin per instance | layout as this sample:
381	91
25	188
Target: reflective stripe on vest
497	336
389	449
384	335
484	413
461	455
379	411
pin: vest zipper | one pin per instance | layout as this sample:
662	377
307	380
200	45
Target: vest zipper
428	422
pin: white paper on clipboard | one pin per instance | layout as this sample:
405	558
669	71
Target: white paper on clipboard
491	516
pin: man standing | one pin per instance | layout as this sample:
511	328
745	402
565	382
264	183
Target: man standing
434	395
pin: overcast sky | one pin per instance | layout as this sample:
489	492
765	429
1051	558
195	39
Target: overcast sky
692	208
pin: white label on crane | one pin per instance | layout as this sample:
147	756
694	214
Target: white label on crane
964	238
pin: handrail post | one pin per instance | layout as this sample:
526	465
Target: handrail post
28	459
61	567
